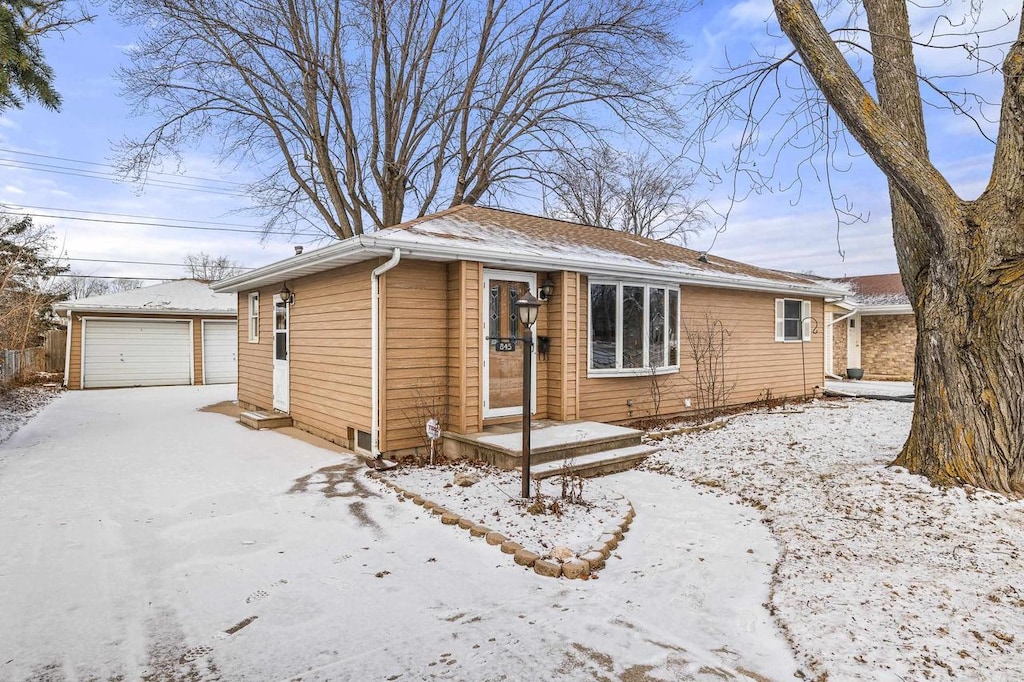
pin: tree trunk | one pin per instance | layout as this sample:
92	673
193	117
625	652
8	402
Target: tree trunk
968	425
962	262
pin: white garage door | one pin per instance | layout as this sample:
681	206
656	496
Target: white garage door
137	353
220	352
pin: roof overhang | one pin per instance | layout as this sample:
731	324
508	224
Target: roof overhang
889	309
365	247
149	312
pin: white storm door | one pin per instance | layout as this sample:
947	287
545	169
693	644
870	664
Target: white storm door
281	374
503	345
220	352
853	341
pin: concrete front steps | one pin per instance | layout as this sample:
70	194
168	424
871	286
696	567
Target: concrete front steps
580	448
264	420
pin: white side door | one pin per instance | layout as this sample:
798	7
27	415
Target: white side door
853	342
281	373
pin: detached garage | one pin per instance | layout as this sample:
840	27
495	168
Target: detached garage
173	334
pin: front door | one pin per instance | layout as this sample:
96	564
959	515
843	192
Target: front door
280	355
503	343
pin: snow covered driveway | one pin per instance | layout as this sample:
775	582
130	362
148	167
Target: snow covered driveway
138	532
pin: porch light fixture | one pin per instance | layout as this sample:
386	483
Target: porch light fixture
527	308
286	294
547	289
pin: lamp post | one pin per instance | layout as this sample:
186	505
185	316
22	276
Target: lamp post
527	308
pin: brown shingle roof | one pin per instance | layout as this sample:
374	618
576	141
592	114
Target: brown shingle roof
483	224
878	289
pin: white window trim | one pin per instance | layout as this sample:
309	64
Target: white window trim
780	320
254	319
619	370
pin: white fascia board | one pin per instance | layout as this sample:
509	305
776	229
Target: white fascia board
364	247
295	266
897	309
145	311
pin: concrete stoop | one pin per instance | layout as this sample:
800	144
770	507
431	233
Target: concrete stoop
595	464
584	448
264	420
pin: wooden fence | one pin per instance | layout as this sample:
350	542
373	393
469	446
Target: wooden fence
48	357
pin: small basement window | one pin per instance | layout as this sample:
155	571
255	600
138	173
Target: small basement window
363	441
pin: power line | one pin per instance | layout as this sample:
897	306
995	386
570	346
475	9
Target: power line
149	224
154	279
140	262
134	215
59	170
107	165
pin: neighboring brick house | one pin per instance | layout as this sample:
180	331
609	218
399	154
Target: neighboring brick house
873	330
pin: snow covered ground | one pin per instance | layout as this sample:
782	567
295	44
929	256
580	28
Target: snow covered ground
882	577
19	405
146	540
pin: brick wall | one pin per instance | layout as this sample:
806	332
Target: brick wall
839	345
887	346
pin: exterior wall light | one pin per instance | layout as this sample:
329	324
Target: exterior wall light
286	294
547	289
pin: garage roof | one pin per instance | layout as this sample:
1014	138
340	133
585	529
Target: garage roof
180	297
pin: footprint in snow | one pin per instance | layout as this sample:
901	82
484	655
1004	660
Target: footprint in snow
257	596
195	653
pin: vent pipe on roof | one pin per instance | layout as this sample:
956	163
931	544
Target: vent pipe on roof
298	250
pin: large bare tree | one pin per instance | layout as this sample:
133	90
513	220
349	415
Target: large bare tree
362	113
206	268
633	192
962	261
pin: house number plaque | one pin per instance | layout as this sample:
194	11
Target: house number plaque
505	345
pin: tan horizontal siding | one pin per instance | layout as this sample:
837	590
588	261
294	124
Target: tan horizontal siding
416	327
256	360
755	364
330	351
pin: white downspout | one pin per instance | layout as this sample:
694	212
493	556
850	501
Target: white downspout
396	256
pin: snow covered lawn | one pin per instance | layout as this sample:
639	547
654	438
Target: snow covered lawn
143	539
882	577
19	405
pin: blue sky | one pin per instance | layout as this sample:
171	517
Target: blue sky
788	230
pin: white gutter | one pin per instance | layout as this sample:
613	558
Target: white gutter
381	245
840	319
67	353
396	256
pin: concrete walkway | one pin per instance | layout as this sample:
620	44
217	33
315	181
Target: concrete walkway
886	389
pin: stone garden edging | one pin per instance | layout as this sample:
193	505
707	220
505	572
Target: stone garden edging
581	568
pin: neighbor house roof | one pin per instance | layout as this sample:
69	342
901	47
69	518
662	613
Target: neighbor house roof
508	239
881	292
180	297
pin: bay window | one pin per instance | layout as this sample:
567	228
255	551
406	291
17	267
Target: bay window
634	328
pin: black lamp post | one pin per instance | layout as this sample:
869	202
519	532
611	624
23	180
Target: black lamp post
527	308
